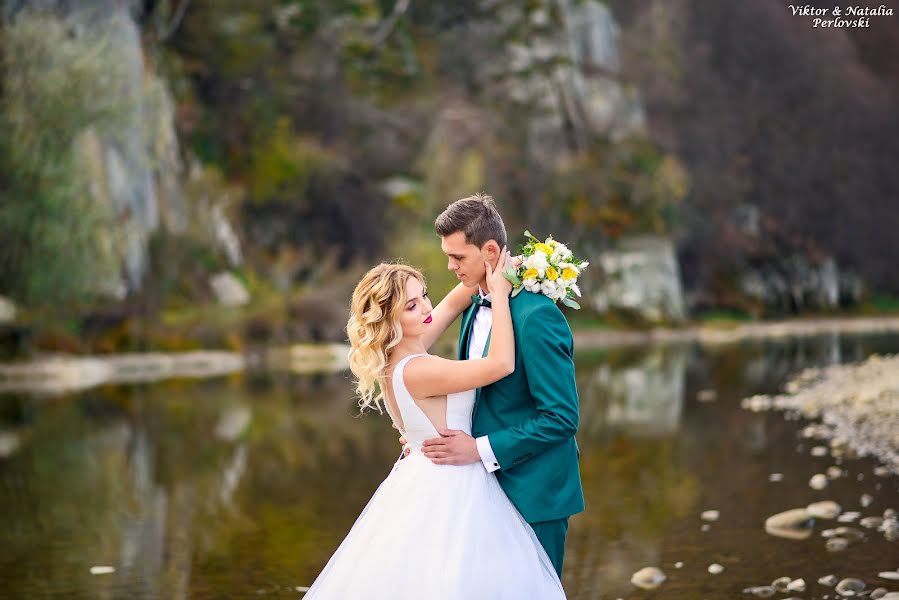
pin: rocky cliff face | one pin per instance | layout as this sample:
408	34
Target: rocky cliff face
131	164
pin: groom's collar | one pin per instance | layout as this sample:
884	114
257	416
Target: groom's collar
483	294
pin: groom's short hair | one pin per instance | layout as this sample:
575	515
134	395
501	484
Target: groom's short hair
475	216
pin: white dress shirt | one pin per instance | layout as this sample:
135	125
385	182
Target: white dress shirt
480	331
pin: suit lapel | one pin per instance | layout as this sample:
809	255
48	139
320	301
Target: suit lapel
478	392
465	331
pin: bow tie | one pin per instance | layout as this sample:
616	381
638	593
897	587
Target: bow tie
477	299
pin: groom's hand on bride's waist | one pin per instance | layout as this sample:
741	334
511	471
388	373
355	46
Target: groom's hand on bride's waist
453	447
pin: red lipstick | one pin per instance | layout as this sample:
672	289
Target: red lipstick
429	319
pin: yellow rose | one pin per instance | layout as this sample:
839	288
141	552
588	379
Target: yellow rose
569	273
530	274
551	273
541	247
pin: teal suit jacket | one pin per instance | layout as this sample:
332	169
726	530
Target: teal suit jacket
531	416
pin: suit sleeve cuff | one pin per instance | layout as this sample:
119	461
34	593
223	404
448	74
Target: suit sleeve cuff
488	458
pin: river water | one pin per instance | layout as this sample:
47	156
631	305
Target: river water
243	486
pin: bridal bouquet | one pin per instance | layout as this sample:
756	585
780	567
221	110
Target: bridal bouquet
547	268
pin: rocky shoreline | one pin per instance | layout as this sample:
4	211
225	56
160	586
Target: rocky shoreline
59	373
855	406
708	335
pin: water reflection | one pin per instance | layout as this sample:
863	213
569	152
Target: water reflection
242	486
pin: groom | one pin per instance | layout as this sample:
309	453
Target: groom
524	424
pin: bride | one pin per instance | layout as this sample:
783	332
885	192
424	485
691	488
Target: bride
434	532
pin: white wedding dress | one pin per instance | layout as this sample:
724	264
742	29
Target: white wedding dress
438	532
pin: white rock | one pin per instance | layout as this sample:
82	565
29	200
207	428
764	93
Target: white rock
775	477
792	524
710	515
848	516
7	310
707	395
781	584
819	451
836	544
797	585
229	290
892	575
715	568
826	509
818	482
102	570
648	578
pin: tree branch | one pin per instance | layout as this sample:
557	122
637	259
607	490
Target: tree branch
386	27
173	25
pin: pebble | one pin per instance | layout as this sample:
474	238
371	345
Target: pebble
866	500
705	527
818	482
850	586
762	591
891	575
848	516
834	472
819	451
781	584
99	570
871	522
826	509
797	585
795	524
882	472
715	568
648	578
707	395
879	593
890	596
836	544
850	533
828	580
678	565
774	477
710	515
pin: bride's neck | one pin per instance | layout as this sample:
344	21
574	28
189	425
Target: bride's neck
407	347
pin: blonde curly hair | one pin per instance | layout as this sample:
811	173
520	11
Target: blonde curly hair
374	329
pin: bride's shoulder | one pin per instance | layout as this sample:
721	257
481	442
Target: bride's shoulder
408	359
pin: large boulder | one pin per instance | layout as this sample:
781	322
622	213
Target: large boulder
7	310
641	276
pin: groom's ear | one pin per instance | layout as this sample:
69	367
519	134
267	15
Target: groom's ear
491	249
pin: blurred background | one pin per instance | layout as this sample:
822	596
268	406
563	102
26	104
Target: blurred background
163	159
215	175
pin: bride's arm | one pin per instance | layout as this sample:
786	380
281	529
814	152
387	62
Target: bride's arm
435	376
446	312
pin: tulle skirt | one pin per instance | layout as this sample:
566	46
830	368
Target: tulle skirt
438	532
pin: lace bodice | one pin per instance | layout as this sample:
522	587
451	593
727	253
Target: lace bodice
416	426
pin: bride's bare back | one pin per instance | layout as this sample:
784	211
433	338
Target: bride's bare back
433	407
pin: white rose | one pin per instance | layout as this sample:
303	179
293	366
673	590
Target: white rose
548	288
560	253
538	261
532	285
